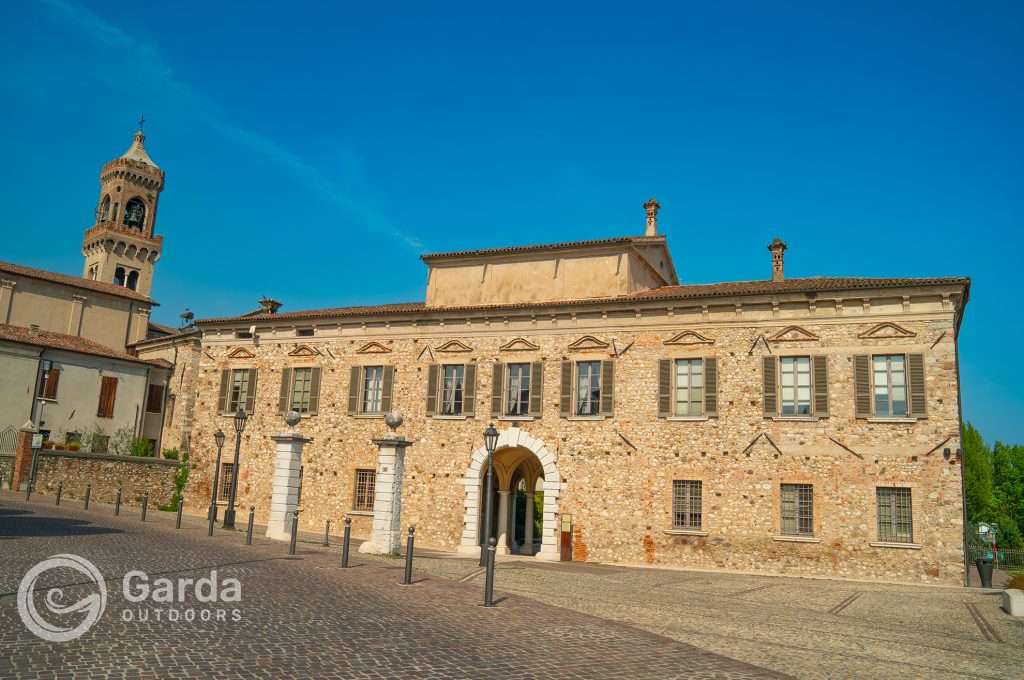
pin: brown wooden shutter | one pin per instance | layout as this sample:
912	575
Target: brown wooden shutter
664	388
52	380
286	388
565	397
353	390
607	387
225	385
770	386
711	387
497	387
387	388
820	386
250	397
108	397
432	389
314	391
536	389
469	391
862	385
915	379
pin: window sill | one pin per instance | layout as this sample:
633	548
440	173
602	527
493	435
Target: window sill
684	532
782	538
904	546
892	420
360	513
517	418
796	419
47	400
591	418
687	419
460	417
367	415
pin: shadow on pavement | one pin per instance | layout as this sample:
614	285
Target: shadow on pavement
25	524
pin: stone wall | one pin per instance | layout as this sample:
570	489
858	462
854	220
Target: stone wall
106	473
616	473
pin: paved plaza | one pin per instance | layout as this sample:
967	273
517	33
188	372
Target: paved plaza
305	616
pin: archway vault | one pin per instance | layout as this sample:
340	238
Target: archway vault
474	480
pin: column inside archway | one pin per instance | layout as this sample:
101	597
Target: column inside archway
503	521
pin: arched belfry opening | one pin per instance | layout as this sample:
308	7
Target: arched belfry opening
525	500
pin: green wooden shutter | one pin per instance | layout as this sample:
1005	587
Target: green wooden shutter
497	386
770	386
607	387
820	367
225	385
431	389
387	387
915	378
250	397
286	389
664	388
565	397
314	391
862	385
354	375
469	391
711	387
536	388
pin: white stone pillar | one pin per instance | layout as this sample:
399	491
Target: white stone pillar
285	486
549	534
528	525
386	537
502	546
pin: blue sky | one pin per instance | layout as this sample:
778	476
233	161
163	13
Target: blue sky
340	140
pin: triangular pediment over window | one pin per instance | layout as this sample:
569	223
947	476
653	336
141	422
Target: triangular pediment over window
454	346
518	345
793	334
241	353
373	348
887	330
689	338
588	342
303	351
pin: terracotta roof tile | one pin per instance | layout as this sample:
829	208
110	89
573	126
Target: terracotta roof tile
76	281
70	343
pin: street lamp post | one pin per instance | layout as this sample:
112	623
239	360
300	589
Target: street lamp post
211	513
229	513
490	443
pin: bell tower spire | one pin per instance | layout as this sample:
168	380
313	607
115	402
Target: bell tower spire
121	246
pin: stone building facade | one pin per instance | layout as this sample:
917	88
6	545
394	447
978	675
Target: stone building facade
800	426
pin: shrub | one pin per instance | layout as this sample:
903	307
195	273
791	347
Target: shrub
141	447
1016	581
171	454
180	479
74	446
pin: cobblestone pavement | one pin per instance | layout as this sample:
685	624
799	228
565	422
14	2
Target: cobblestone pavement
301	616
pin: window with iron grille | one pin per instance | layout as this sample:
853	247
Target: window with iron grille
689	387
797	516
895	515
452	385
686	504
365	482
795	384
302	380
225	480
517	402
239	393
373	389
588	388
890	385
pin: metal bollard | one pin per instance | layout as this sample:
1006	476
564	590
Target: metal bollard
145	505
295	532
177	520
408	557
28	490
88	493
248	529
346	537
489	579
117	503
60	490
327	534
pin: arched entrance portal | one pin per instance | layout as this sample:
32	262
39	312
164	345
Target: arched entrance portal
521	464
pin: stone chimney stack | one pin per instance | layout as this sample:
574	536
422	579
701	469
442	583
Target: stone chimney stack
778	248
269	305
652	206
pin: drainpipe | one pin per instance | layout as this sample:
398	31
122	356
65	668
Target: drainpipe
960	417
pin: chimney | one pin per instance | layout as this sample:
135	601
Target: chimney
652	206
269	305
778	248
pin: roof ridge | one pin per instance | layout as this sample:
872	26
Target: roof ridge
538	246
76	281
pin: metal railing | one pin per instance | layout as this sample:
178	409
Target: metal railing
1002	558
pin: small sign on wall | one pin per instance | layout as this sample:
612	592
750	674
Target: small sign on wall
37	440
566	522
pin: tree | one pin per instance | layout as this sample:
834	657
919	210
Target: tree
977	475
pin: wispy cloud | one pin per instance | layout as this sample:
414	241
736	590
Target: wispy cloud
146	58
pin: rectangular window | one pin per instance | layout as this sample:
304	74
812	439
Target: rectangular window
304	332
890	385
797	512
895	516
155	399
99	443
686	509
689	397
373	389
108	396
49	377
302	382
517	397
452	386
795	384
365	482
588	388
240	387
226	470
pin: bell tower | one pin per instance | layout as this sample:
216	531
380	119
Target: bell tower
121	247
